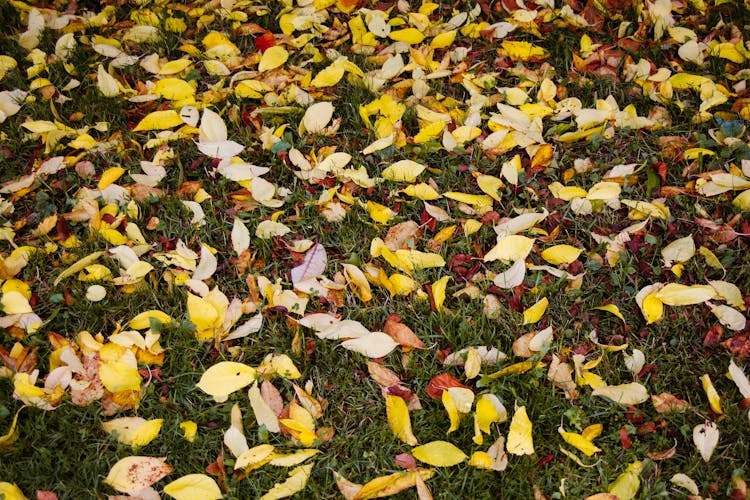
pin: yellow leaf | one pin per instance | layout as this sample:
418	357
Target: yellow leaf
117	376
520	440
189	428
489	410
292	459
224	378
742	201
109	176
693	153
604	191
268	229
438	292
579	442
480	460
272	58
713	397
535	312
11	436
652	308
78	266
159	120
490	185
480	202
358	282
15	303
329	76
254	457
398	419
510	248
473	364
429	132
625	487
135	473
203	314
379	213
439	454
174	67
134	431
675	294
612	309
521	51
625	394
421	191
403	171
192	487
10	491
443	40
283	366
710	258
106	83
561	254
391	484
407	35
174	89
688	81
294	483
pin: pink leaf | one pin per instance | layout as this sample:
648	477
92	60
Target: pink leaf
312	266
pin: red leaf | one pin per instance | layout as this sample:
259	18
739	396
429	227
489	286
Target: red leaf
441	382
265	41
625	439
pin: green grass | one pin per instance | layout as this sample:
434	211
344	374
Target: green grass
67	451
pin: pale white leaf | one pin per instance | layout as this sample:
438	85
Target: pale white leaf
240	236
513	276
206	266
372	345
317	116
706	437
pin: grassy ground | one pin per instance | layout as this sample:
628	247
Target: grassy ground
66	451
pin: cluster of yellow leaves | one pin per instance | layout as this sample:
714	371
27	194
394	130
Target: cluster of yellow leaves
92	368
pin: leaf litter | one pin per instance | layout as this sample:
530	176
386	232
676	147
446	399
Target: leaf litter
466	147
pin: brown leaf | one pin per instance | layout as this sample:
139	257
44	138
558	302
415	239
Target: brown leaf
382	375
441	382
402	334
521	345
406	461
666	402
739	345
402	236
662	455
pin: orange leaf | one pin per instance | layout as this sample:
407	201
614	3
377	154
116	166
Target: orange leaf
402	334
